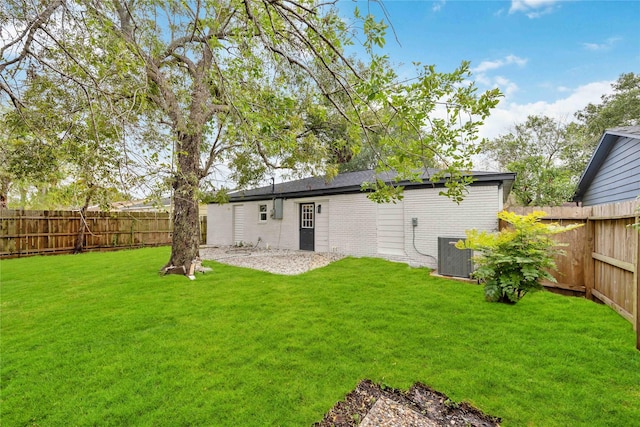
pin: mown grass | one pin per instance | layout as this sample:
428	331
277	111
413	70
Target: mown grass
102	339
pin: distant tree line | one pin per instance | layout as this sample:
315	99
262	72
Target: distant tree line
549	155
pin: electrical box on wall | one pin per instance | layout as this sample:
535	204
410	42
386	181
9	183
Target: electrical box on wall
277	208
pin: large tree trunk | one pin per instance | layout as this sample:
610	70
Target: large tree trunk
186	220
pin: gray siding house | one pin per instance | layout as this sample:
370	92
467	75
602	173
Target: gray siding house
613	173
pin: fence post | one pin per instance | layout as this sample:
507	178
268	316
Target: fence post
636	276
588	262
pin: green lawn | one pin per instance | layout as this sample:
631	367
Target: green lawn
102	339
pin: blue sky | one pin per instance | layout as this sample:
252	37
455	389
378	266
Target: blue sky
547	56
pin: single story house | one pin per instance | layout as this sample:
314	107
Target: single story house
613	173
336	216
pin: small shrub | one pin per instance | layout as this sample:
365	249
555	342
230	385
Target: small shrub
515	260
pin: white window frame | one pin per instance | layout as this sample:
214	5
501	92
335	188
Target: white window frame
263	212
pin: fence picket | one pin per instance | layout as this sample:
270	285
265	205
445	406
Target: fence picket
27	233
602	257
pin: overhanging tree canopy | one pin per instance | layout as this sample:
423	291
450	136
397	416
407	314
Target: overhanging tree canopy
235	82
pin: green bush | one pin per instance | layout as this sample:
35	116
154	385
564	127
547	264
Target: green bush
517	259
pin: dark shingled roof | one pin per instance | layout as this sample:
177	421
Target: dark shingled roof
351	182
609	138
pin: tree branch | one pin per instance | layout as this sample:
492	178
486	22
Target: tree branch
29	31
212	152
319	33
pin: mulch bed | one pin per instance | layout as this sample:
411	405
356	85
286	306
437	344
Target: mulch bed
433	405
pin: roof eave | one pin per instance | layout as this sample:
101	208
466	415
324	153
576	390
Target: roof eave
505	178
597	158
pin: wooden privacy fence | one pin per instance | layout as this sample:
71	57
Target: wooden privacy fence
203	229
26	233
602	259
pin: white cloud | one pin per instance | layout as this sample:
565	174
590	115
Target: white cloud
538	14
608	44
506	86
10	34
524	5
499	63
483	79
592	46
506	115
438	5
533	8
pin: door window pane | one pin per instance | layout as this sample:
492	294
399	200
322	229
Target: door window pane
307	216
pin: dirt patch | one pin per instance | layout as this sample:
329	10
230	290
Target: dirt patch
373	405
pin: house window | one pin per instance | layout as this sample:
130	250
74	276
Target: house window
263	213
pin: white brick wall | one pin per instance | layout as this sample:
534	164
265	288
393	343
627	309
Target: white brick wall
441	217
277	233
220	224
349	223
322	225
352	225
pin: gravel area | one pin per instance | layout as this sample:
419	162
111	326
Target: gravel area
387	412
372	405
278	261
